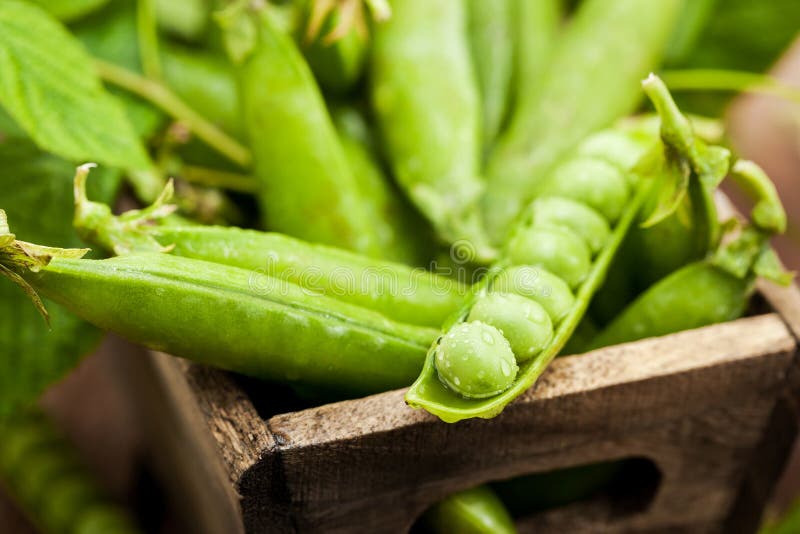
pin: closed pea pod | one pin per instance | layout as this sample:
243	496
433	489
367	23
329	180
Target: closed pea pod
306	186
227	317
472	511
205	82
491	39
402	234
662	243
425	100
398	291
725	279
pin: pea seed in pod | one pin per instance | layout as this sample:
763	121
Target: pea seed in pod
578	217
620	148
539	285
559	250
523	322
592	181
475	360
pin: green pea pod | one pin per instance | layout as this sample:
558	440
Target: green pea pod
45	477
725	279
472	511
581	93
206	83
398	291
672	305
468	372
306	186
401	230
430	393
679	224
425	100
536	27
337	60
235	319
491	36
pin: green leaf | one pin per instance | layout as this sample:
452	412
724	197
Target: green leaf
67	10
110	34
37	195
48	85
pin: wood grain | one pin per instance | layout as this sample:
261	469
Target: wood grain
709	407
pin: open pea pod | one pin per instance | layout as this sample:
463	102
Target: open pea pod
468	371
430	393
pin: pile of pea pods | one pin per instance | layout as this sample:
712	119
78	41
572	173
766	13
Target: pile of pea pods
450	194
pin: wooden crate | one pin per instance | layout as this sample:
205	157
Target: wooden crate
714	409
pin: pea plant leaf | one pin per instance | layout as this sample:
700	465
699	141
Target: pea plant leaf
36	193
48	85
68	10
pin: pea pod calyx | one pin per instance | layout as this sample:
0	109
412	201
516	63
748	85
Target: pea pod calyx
17	257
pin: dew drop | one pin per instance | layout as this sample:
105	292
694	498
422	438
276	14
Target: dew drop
505	368
457	381
487	338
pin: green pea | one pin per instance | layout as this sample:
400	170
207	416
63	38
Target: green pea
557	249
621	148
475	360
523	322
535	283
578	217
591	180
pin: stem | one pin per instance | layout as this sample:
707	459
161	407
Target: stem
768	213
147	33
215	178
170	103
729	80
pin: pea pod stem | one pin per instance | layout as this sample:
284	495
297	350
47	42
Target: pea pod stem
241	183
167	101
768	213
147	33
729	80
